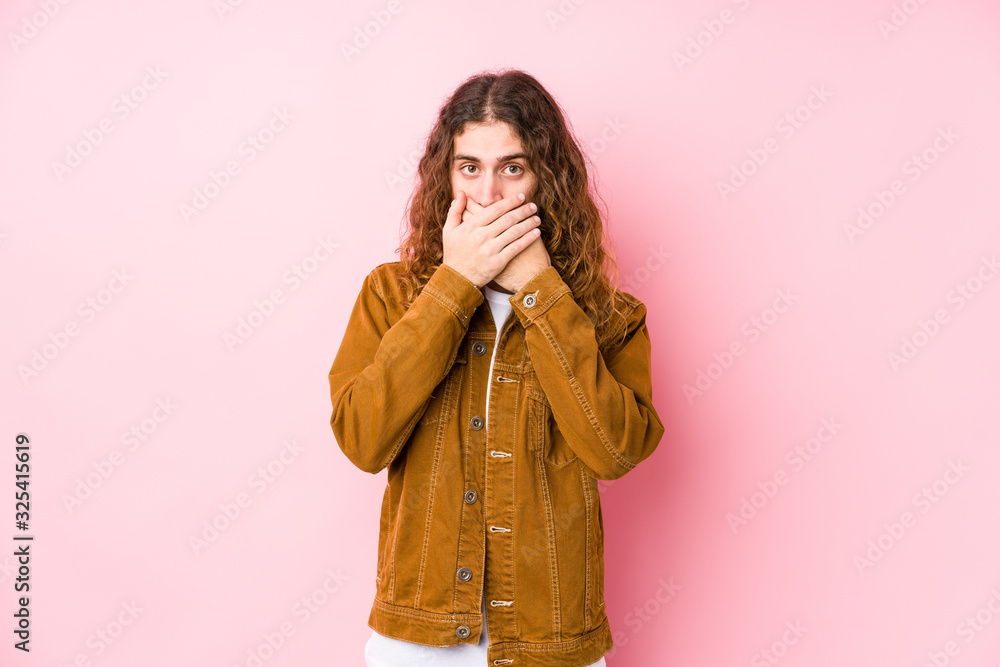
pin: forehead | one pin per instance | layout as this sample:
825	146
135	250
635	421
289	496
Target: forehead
487	141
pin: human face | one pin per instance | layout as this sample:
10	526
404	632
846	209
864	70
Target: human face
489	164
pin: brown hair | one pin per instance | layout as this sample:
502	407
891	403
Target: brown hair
571	227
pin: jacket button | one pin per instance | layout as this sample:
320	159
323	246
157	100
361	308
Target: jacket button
464	573
479	348
476	423
529	301
462	632
470	496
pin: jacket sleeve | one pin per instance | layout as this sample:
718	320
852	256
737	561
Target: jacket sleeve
383	375
604	409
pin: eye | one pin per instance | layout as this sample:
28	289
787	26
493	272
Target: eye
464	167
518	167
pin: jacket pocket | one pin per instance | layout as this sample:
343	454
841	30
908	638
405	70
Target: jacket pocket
543	433
444	400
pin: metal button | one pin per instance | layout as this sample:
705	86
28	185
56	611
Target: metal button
529	301
464	574
462	631
470	496
476	423
479	348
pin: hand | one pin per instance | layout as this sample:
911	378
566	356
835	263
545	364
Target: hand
522	267
480	246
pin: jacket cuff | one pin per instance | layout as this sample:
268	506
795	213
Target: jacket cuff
454	291
538	295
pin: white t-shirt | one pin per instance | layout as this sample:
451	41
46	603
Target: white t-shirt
382	651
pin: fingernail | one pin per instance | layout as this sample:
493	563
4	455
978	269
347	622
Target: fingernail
520	196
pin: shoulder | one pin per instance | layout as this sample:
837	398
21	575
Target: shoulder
627	317
384	280
629	301
631	308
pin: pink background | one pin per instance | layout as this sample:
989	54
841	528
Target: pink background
687	583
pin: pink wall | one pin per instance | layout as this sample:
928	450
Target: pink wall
856	422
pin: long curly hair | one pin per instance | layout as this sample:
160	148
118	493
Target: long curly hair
571	227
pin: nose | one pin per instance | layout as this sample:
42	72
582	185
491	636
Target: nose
489	190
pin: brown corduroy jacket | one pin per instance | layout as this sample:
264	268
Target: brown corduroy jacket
510	511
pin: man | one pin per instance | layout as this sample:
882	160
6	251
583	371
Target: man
491	533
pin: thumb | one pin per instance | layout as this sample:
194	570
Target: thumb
455	211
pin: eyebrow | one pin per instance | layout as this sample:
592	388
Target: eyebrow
502	158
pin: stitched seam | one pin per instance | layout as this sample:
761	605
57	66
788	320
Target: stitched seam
584	403
589	507
560	646
385	547
513	512
447	303
461	515
378	284
416	613
549	533
391	538
392	563
438	447
485	490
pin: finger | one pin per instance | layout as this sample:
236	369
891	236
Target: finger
454	215
521	230
497	209
511	218
515	247
472	208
